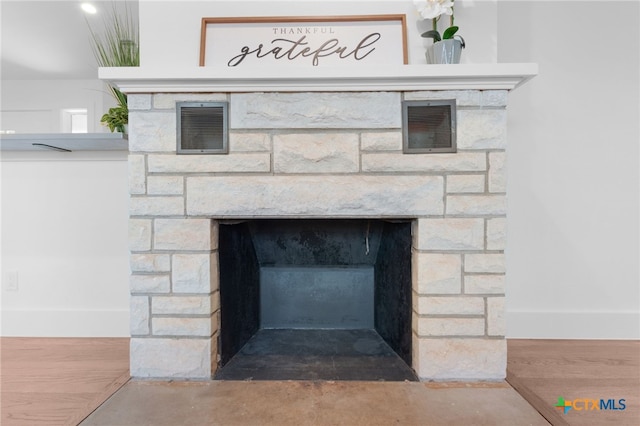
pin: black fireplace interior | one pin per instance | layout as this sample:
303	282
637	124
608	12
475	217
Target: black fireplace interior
315	300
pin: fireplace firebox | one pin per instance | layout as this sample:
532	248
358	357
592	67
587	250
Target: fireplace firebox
317	299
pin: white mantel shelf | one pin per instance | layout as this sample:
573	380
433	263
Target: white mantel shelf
295	79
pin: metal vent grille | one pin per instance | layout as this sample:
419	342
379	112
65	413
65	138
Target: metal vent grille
202	127
429	126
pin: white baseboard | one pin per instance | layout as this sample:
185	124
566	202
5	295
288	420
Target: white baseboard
573	325
59	323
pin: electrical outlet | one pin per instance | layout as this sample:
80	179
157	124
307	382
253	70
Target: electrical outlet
10	280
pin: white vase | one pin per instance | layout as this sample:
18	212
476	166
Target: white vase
444	52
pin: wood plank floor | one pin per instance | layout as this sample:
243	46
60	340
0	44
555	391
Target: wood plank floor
544	370
58	381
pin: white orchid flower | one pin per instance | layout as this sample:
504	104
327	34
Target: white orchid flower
431	9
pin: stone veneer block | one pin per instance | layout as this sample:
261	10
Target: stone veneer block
139	234
435	273
315	196
462	97
139	315
138	101
165	185
494	98
496	324
214	353
184	234
192	327
150	262
181	305
212	163
451	305
156	206
449	234
482	129
215	276
497	172
460	359
484	263
215	323
476	205
215	301
382	141
484	284
171	358
191	273
426	327
497	233
316	153
149	284
154	132
317	110
460	184
168	100
137	174
417	163
249	142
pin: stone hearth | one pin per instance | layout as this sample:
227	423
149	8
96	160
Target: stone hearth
319	155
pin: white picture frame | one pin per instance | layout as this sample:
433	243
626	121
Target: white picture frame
310	41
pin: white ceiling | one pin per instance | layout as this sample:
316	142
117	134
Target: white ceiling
48	40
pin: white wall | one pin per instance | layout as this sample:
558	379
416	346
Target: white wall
64	233
573	256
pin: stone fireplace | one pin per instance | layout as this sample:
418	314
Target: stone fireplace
320	148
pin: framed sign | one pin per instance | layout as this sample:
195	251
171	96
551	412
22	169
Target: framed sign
304	41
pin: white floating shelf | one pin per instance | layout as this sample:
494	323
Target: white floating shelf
64	142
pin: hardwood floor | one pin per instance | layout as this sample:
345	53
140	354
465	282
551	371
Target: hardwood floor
58	381
544	370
